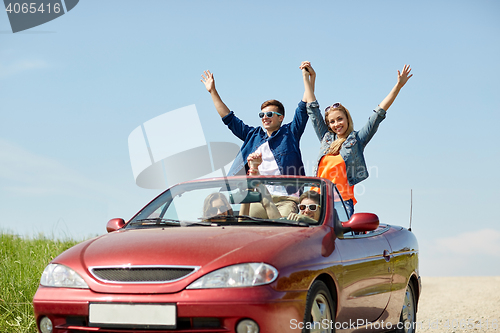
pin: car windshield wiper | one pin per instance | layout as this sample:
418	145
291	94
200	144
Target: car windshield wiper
156	221
195	223
249	220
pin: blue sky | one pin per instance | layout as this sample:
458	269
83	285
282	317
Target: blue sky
72	90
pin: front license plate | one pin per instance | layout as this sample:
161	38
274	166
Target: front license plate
132	315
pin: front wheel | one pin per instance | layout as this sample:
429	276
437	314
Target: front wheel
320	310
408	316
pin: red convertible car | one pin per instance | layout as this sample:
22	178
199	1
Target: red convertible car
194	260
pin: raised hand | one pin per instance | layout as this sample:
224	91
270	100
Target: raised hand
307	69
254	160
208	80
309	77
404	76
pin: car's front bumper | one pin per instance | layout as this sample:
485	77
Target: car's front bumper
203	310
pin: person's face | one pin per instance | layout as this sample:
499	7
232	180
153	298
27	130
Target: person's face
219	208
273	123
337	121
308	212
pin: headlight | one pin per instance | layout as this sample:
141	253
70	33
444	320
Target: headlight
241	275
55	275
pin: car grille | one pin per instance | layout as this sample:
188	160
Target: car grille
154	274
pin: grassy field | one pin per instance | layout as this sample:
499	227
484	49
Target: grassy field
22	261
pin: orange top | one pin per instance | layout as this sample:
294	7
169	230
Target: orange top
332	167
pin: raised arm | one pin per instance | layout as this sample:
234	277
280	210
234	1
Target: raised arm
309	77
403	77
298	124
209	82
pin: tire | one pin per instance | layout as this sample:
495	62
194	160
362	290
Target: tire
408	315
320	309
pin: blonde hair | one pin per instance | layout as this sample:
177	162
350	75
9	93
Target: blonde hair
335	146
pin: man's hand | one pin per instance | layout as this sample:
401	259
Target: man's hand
307	70
208	81
309	77
254	160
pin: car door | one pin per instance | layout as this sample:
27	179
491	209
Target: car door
367	274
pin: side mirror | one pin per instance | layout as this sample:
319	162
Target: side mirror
360	222
115	224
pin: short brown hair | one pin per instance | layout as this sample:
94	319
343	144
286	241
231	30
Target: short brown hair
313	195
281	108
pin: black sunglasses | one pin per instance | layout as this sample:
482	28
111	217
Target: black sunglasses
312	207
213	211
268	114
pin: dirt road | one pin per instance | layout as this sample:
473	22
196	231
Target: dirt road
459	304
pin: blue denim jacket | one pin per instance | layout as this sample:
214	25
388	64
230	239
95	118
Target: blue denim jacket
284	143
354	145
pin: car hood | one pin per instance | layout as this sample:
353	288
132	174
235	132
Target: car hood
207	248
190	246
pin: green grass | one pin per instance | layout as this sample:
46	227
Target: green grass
22	261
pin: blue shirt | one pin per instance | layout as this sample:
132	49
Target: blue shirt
284	143
354	145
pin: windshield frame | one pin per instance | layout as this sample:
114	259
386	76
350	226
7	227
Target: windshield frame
166	198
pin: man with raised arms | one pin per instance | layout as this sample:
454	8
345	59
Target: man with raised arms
278	143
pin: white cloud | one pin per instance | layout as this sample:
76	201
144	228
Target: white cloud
37	192
30	190
473	253
21	66
27	173
484	241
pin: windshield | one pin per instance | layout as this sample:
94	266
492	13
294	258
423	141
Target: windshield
236	201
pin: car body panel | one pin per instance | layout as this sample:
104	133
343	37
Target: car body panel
257	302
366	277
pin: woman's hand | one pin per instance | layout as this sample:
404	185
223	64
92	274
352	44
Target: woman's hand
208	81
300	218
404	76
293	217
307	69
309	77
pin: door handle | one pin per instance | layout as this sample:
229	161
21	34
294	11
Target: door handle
386	255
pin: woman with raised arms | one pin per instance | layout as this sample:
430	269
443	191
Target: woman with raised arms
341	158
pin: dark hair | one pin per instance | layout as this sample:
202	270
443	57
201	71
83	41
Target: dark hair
207	205
281	108
313	195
